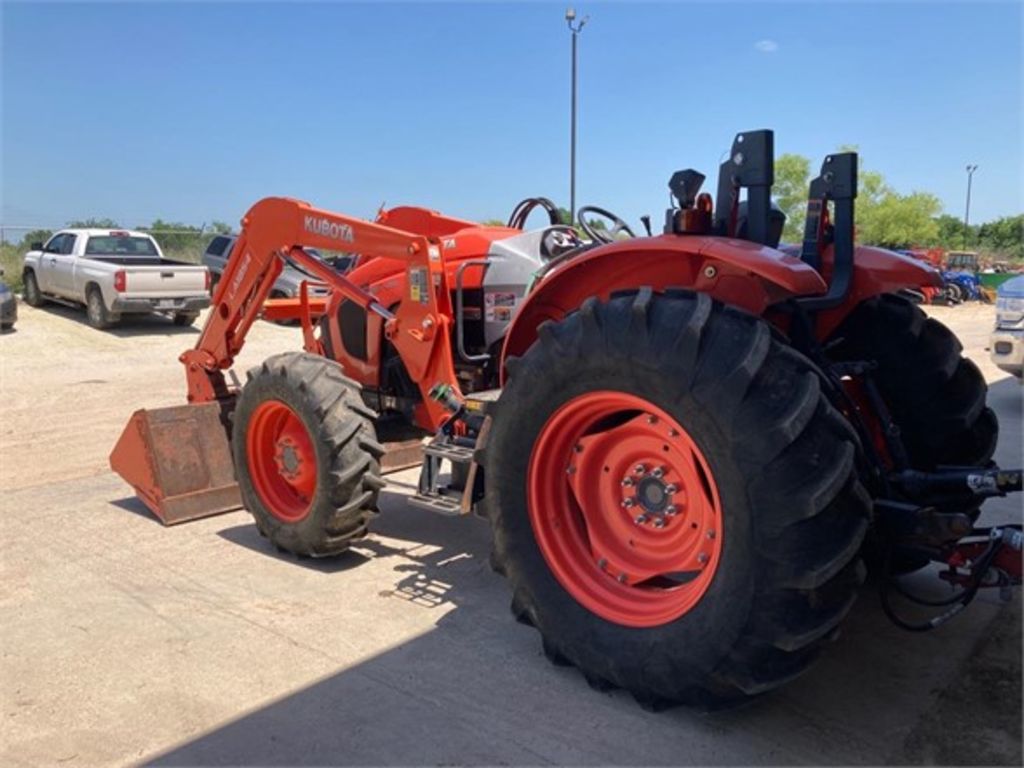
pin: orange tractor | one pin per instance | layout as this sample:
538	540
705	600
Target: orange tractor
686	444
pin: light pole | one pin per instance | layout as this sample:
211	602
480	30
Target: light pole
967	210
570	17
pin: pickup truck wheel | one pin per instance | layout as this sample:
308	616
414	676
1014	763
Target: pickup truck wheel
33	297
96	311
185	319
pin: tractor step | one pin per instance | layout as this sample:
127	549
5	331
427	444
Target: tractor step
440	502
456	454
431	495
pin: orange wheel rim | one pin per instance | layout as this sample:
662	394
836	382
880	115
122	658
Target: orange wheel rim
282	461
625	509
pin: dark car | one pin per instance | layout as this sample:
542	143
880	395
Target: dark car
8	305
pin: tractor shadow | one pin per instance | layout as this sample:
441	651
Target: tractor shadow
128	327
476	689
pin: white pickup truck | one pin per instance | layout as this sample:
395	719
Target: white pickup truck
114	272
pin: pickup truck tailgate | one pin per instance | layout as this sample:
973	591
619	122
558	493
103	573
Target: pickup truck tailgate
171	281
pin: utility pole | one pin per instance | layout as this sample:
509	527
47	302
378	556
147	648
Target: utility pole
570	17
967	209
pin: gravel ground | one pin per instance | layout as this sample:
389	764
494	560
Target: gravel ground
124	641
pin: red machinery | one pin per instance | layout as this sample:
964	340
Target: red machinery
696	439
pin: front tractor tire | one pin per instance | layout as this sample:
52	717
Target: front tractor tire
674	500
306	454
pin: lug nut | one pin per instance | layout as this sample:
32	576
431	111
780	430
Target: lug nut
570	471
671	509
702	558
627	481
578	448
602	563
622	578
670	489
658	472
627	503
673	432
711	534
652	419
640	519
639	469
659	523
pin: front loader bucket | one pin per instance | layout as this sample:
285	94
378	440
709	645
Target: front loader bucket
178	460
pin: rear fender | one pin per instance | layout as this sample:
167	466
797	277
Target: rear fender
736	272
876	271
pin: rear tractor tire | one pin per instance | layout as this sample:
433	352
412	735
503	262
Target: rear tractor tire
934	394
674	501
306	454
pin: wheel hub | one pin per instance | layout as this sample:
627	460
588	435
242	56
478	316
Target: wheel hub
287	458
624	508
282	460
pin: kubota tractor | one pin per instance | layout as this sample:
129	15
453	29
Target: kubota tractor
698	439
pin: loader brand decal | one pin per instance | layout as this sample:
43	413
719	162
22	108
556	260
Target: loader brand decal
242	269
449	243
498	307
319	225
418	283
434	252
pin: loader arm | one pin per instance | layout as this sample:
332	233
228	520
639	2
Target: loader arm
277	228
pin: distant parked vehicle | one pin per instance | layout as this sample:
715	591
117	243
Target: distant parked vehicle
1007	341
114	272
8	305
288	282
961	286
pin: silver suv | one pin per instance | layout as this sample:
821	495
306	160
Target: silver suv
287	284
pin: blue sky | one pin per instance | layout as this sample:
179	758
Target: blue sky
194	111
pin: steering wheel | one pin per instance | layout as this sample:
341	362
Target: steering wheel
602	235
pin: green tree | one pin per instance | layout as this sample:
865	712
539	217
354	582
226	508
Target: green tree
885	217
173	235
35	236
93	224
219	228
792	175
950	231
1003	237
892	220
